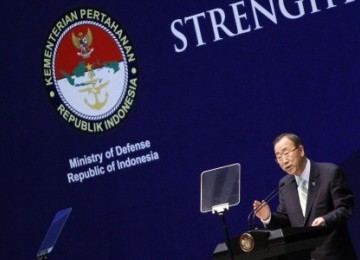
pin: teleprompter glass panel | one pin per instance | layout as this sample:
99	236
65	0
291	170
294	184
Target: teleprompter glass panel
53	232
220	186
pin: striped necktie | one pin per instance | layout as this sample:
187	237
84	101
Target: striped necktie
303	192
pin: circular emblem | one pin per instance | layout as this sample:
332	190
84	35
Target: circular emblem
246	242
90	71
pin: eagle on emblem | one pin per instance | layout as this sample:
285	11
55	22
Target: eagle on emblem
83	43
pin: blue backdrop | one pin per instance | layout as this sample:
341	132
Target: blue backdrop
217	81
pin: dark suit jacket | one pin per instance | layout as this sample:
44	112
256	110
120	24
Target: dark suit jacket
329	197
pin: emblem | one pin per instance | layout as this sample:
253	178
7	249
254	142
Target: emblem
246	242
83	44
90	71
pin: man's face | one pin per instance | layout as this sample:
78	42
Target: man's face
289	157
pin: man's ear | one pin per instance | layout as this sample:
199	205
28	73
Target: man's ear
302	150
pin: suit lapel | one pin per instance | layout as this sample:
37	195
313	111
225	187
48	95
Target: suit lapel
314	183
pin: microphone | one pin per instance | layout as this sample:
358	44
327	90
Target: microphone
272	195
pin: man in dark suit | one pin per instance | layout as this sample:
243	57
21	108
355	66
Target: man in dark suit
315	194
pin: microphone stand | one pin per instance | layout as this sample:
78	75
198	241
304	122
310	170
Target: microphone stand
253	212
271	196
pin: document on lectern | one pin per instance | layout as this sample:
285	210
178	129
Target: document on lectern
220	188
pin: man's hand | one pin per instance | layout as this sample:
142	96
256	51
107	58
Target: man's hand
319	222
264	212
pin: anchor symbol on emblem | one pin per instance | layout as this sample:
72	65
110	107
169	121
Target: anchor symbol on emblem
95	90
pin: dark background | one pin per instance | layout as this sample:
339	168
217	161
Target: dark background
208	106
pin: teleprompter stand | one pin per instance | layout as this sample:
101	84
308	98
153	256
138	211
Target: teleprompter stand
220	211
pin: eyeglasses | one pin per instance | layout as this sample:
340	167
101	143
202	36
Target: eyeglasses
279	158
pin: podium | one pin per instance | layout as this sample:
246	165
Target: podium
293	243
